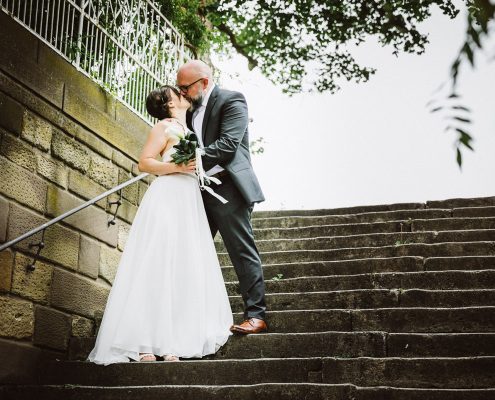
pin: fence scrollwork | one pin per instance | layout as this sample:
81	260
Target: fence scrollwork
126	46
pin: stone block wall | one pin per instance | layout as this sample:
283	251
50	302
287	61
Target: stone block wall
63	140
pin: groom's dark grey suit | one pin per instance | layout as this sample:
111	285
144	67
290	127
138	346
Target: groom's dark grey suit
226	143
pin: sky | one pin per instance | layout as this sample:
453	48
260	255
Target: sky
375	142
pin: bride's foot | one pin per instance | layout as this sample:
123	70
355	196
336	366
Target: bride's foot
146	357
170	357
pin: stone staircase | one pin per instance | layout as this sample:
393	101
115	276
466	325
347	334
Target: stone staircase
377	302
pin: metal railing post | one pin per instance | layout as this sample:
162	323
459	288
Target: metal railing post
82	6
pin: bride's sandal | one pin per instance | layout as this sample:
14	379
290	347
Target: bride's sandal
170	357
146	357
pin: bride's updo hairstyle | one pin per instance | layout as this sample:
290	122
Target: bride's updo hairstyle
157	100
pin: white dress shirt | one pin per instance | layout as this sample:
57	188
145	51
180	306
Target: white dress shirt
197	121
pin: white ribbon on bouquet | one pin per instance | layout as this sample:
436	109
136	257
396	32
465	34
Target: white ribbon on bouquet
204	179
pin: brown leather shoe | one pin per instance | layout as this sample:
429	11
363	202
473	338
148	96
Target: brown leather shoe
251	325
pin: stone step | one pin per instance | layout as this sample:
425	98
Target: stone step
427	372
374	298
452	224
370	240
442	372
350	344
484	279
440	344
328	230
264	391
358	344
415	249
449	203
369	265
441	224
339	211
398	320
474	212
198	372
379	216
459	263
392	320
300	345
394	393
462	202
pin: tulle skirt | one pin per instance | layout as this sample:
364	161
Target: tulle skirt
168	295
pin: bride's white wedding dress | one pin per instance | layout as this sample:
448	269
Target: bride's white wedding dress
168	295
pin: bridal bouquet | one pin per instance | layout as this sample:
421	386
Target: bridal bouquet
188	149
185	149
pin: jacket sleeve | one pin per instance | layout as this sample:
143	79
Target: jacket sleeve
232	130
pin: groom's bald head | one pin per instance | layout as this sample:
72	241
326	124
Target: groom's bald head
194	78
194	69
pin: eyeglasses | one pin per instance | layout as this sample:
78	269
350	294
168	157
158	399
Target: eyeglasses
185	88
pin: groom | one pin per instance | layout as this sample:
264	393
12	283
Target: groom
220	120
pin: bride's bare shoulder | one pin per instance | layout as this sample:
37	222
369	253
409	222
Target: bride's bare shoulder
161	127
164	123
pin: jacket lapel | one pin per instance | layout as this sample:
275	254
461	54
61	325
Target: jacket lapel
209	107
189	120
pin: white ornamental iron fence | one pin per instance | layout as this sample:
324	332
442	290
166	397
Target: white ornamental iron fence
126	46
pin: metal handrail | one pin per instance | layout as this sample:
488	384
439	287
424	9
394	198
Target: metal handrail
73	211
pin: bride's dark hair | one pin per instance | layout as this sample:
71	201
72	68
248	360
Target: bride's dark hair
157	100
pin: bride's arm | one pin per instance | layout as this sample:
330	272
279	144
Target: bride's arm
156	142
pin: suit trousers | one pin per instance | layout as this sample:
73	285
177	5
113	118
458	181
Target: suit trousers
233	221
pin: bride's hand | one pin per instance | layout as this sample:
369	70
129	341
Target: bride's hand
187	168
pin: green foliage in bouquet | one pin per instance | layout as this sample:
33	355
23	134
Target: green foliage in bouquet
185	149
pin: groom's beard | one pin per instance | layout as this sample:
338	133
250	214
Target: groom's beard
196	102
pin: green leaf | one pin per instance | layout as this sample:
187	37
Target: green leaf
469	53
459	107
473	33
462	119
459	158
454	71
465	138
436	109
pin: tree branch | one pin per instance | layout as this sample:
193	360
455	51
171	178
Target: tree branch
237	46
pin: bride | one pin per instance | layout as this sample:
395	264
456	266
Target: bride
168	298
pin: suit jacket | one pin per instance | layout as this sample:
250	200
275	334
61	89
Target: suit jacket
226	140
